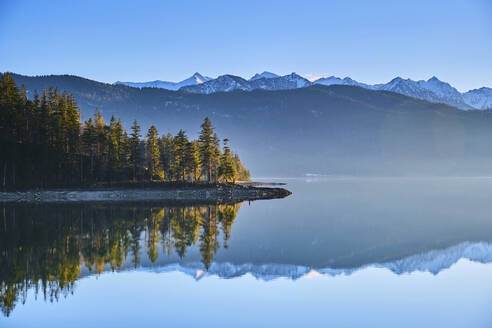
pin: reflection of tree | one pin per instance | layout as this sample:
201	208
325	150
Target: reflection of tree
135	232
36	255
227	214
208	237
44	247
185	228
153	224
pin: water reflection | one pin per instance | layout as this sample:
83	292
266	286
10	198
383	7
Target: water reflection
47	247
434	261
330	228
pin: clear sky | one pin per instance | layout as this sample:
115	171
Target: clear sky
370	41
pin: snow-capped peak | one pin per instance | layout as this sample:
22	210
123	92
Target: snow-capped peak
200	78
479	98
264	75
333	80
397	80
433	90
299	80
440	88
195	79
226	83
223	83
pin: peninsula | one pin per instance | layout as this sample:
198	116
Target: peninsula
50	155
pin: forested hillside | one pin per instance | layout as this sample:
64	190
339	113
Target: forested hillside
320	129
44	144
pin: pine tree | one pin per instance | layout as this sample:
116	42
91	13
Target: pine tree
73	125
113	146
242	173
227	169
123	150
178	165
9	93
192	160
101	147
88	145
9	102
216	158
208	144
153	154
167	146
135	157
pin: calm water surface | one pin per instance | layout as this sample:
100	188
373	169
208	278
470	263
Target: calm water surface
344	252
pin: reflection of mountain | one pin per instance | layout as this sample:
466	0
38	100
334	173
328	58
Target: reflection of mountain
433	261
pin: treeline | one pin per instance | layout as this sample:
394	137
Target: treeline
43	144
49	257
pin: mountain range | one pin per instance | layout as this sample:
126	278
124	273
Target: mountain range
195	79
433	90
318	129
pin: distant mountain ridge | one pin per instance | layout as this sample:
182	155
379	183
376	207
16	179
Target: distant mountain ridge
226	83
265	74
433	90
479	98
195	79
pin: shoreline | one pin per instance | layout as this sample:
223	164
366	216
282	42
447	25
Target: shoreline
219	193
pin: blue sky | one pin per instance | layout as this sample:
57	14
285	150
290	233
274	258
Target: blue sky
370	41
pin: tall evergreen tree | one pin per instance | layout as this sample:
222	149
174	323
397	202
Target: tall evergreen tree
193	166
227	169
178	166
217	158
135	157
88	146
167	146
153	154
242	172
207	143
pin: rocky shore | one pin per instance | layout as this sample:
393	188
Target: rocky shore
220	193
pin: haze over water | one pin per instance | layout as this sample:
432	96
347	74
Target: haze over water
396	251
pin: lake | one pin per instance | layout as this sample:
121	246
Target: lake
339	252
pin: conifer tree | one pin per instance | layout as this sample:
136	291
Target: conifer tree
193	166
123	149
88	144
217	157
101	146
135	157
227	169
113	146
208	144
242	172
153	154
73	125
178	166
167	146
